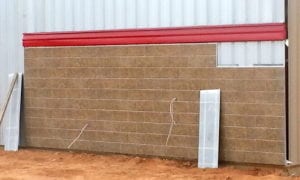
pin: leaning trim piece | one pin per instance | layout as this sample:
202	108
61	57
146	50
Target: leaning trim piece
12	122
195	34
209	127
8	96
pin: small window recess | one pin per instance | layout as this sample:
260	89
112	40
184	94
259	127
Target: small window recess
251	54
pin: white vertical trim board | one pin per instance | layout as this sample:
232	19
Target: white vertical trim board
12	122
209	122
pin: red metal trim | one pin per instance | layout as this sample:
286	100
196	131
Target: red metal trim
196	34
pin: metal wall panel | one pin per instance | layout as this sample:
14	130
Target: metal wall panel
69	15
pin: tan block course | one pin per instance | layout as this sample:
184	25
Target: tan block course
123	93
251	157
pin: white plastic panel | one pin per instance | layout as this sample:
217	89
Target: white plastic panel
209	122
12	122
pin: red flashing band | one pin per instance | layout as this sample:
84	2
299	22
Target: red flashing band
196	34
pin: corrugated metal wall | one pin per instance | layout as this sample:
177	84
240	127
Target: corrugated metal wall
17	16
62	15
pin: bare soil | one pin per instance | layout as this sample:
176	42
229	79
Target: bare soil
48	164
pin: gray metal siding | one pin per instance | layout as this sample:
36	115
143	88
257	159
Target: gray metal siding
69	15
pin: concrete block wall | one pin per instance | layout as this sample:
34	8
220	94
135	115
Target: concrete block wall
123	93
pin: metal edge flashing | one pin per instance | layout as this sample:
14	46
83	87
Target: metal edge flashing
193	34
294	85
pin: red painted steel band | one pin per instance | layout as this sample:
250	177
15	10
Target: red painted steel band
196	34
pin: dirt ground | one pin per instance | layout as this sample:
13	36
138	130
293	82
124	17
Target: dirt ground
47	164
